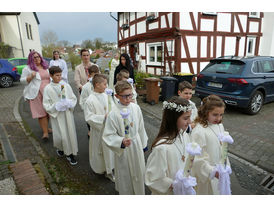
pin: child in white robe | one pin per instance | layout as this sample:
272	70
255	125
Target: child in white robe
88	88
185	91
59	102
169	148
101	158
123	75
125	135
208	127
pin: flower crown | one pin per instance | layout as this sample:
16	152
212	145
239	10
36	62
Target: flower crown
177	108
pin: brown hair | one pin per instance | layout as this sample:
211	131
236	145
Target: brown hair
93	69
98	78
54	69
208	104
122	74
184	85
83	50
122	86
54	53
168	129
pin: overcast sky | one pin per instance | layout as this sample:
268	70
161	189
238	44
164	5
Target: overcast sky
78	26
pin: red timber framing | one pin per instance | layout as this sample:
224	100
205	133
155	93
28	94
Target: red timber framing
179	36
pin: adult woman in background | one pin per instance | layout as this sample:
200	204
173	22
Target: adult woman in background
124	64
57	61
36	76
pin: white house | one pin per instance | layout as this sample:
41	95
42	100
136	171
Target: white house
20	31
163	42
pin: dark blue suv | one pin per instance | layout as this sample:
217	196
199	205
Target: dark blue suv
246	82
8	73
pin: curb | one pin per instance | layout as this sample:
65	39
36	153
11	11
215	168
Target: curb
37	147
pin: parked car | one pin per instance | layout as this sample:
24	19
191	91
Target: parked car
245	82
8	73
19	63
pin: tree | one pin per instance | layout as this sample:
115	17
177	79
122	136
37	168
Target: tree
48	50
5	50
74	60
98	43
49	38
63	43
88	44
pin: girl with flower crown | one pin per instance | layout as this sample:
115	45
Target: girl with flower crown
169	147
126	136
209	134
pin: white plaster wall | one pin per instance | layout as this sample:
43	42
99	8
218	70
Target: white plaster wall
230	43
223	22
120	37
183	53
140	14
28	17
185	21
207	25
154	25
211	47
253	26
132	16
219	46
243	20
192	45
150	70
163	22
267	40
203	46
169	16
132	30
203	65
184	67
170	47
242	46
236	26
126	34
141	27
121	20
142	49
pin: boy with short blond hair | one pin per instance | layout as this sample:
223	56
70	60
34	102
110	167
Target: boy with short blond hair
125	135
101	158
185	91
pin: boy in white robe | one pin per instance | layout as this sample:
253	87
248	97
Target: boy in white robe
185	91
208	127
87	89
101	158
59	102
169	149
126	137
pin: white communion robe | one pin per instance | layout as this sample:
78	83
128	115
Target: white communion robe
63	65
164	162
204	164
63	126
86	91
129	161
194	111
101	158
114	63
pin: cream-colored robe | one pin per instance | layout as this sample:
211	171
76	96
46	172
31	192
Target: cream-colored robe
204	164
63	126
164	162
86	91
114	63
101	158
194	111
129	161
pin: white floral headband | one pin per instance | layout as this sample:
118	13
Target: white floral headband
177	108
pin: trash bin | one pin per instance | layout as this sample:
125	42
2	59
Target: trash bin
153	90
168	87
182	77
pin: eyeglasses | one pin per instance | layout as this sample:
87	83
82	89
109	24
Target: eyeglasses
128	96
36	57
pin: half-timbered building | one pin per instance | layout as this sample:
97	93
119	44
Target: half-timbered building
171	42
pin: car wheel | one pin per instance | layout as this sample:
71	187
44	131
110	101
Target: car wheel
256	103
6	81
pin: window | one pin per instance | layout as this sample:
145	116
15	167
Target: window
210	13
256	68
250	45
266	66
27	29
155	54
254	14
30	32
155	14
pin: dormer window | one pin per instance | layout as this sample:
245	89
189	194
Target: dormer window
254	14
152	16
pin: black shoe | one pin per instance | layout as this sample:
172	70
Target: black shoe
60	153
71	160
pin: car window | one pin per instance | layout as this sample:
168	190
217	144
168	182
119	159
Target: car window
23	61
257	68
266	66
226	67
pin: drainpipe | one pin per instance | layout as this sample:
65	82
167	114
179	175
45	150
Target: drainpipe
20	36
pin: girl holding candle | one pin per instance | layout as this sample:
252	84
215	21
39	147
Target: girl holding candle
207	133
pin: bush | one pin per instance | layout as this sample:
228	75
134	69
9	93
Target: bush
139	79
5	50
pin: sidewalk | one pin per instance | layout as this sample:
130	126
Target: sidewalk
21	166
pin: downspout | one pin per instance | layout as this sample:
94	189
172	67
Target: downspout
20	36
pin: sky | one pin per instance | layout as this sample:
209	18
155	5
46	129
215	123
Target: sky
78	26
